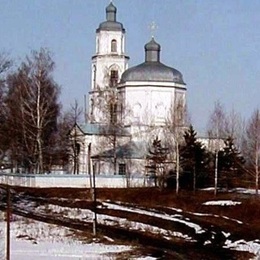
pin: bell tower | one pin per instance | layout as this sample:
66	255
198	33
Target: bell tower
109	61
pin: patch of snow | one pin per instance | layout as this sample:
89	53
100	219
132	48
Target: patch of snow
146	258
221	203
176	209
244	191
226	234
131	225
197	228
209	189
38	240
238	221
242	245
109	239
2	238
216	216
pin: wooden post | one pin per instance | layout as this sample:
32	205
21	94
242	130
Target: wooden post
216	174
95	205
89	166
93	190
8	218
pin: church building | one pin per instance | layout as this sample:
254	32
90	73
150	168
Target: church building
128	107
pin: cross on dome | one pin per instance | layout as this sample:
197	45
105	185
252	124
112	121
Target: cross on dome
153	27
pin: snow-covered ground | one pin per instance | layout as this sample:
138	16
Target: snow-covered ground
37	240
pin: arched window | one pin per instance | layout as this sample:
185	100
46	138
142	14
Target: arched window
94	76
113	78
137	111
91	106
97	45
113	46
113	113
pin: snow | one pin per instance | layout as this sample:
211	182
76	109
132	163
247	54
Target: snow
245	191
21	249
221	203
39	240
175	218
108	220
242	245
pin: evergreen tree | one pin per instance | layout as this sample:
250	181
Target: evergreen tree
157	154
193	159
230	162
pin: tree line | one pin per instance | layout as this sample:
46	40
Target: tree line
227	156
34	128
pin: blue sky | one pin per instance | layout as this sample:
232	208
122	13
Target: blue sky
214	43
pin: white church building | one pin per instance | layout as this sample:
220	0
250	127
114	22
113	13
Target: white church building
128	107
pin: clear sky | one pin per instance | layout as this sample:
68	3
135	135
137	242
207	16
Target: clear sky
214	43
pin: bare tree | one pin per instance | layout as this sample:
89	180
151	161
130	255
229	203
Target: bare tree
176	124
74	118
217	124
62	145
235	128
253	145
5	65
107	111
32	105
217	131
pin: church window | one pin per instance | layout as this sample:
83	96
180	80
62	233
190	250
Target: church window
137	111
97	46
122	44
113	78
91	106
113	46
160	110
122	169
113	113
94	76
179	109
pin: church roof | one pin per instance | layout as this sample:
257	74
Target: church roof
152	46
110	24
130	150
101	129
152	69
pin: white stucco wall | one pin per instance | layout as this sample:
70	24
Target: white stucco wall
74	181
103	62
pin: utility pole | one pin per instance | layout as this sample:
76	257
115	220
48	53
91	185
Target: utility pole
95	205
89	167
8	217
93	190
216	174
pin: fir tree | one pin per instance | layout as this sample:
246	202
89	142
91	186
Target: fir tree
230	162
157	154
193	158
